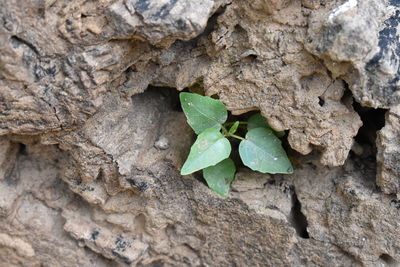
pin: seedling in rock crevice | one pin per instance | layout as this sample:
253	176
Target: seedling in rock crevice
260	149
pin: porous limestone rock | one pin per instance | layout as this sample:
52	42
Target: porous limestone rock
271	71
8	155
177	220
344	207
253	58
359	42
160	21
388	154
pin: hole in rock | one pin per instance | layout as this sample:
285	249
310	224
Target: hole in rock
297	218
171	99
17	42
347	97
170	94
212	21
329	73
197	88
199	177
389	260
364	150
23	150
252	56
373	120
321	101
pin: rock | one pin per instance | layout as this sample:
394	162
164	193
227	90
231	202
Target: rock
292	90
111	245
161	21
95	64
162	143
343	207
31	226
22	248
388	154
136	227
8	155
366	59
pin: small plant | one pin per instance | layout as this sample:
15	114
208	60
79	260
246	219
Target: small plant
260	149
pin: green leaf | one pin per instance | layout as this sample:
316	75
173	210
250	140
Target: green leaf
203	112
262	151
220	176
234	127
257	120
210	148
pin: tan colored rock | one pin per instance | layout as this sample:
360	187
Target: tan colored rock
343	207
101	240
270	65
31	225
388	153
8	155
358	42
274	74
257	222
22	248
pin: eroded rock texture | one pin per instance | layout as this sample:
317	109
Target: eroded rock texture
92	137
388	155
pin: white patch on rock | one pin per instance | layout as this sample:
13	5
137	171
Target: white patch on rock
343	8
162	143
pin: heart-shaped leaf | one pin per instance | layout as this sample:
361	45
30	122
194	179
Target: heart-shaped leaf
219	177
203	112
262	151
257	120
210	148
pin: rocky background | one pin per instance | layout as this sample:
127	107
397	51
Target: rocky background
92	137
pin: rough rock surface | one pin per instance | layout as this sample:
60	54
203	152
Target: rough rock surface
272	71
388	155
359	42
90	157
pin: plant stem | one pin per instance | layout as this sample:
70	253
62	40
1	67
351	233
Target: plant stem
226	133
237	137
